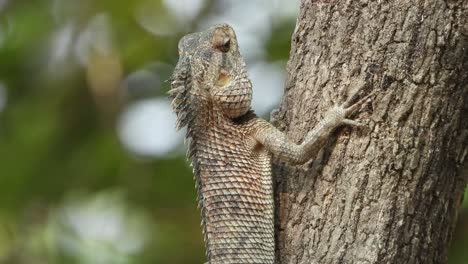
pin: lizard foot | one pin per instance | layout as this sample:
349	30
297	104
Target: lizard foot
339	114
274	117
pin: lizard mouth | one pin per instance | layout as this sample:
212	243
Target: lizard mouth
224	79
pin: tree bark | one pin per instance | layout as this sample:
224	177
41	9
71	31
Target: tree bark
387	193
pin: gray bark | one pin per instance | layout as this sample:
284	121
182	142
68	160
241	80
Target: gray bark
388	193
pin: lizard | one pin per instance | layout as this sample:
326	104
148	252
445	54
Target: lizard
230	147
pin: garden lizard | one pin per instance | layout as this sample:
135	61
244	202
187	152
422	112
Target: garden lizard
230	147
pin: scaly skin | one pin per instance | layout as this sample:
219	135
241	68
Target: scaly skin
230	147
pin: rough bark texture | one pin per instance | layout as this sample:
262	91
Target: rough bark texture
388	193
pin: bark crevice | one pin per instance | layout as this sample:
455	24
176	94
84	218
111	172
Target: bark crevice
389	193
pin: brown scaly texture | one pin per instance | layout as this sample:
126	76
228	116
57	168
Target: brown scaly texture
230	146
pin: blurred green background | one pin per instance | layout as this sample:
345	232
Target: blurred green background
91	167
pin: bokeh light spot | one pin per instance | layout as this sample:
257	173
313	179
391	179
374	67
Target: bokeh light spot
100	228
147	128
184	10
268	81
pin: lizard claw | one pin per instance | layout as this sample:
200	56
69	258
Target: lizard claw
352	123
351	109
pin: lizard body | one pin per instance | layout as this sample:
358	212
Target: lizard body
230	147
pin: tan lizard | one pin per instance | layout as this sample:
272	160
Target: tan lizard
230	147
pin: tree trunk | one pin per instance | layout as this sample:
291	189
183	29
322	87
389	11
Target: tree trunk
387	193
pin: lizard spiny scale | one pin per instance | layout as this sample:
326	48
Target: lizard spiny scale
230	147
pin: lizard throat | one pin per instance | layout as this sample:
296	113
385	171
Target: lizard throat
234	99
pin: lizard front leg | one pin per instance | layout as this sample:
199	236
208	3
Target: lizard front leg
280	146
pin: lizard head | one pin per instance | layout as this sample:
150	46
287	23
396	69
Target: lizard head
216	69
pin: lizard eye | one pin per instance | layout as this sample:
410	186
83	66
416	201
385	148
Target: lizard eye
221	41
225	46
